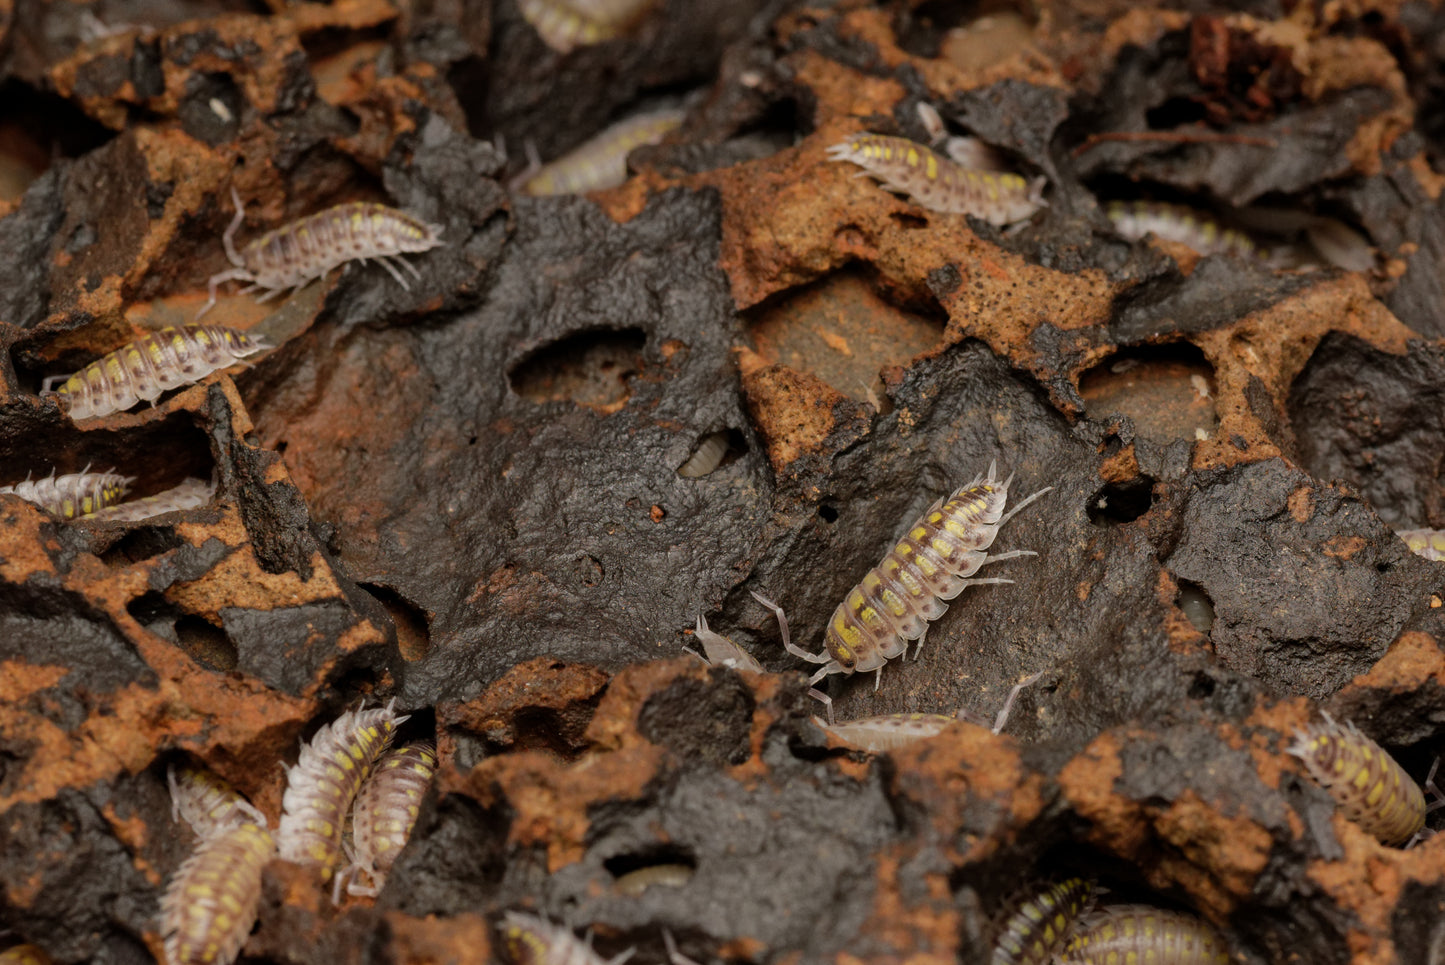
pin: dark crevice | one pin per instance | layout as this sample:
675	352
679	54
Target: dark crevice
591	368
1121	502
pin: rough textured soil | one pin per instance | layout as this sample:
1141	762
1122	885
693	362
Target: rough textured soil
464	495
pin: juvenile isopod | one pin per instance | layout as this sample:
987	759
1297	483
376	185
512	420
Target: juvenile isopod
386	808
565	25
1368	786
1038	926
150	366
1172	222
324	781
529	940
669	875
1139	933
937	183
600	163
897	599
208	803
190	494
305	250
210	904
887	732
967	151
1429	543
74	494
709	456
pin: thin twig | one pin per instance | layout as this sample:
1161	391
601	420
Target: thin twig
1174	137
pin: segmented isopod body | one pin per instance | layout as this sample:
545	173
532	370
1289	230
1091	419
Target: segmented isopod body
565	25
150	366
1429	543
1185	226
24	955
636	882
1124	934
1038	927
208	803
386	808
886	732
324	781
210	904
709	456
529	940
74	494
601	163
1368	786
895	600
721	651
190	494
938	184
305	250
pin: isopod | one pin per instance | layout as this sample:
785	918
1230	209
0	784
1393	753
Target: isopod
530	940
1140	933
721	651
565	25
1172	222
1429	543
324	781
386	808
967	151
210	904
190	494
709	456
895	600
636	882
1368	786
74	494
150	366
937	183
600	163
305	250
887	732
208	803
1038	927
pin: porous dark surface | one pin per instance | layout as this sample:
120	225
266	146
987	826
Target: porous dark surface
463	495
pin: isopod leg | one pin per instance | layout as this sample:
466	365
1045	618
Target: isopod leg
817	694
673	955
227	239
788	643
1013	512
235	274
405	264
1011	554
1434	789
270	293
919	648
1008	705
381	260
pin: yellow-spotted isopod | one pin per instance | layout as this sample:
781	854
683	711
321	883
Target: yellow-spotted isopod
149	366
895	600
1369	787
297	254
386	808
939	184
1037	927
210	904
74	494
324	781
